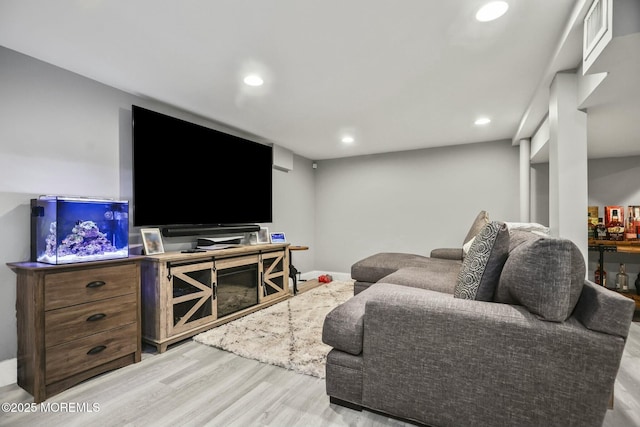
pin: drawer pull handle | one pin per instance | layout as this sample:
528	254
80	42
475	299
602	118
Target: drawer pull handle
96	284
95	317
96	350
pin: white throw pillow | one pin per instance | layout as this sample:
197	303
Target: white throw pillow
466	247
533	227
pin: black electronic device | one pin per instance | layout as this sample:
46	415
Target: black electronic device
189	179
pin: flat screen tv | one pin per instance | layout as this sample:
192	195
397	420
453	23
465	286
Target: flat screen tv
196	179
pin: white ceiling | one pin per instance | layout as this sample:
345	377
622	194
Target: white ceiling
398	75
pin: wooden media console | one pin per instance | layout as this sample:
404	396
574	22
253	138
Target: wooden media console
184	294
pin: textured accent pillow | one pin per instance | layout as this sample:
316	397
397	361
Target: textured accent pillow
545	275
483	264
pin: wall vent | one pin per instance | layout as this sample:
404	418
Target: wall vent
596	24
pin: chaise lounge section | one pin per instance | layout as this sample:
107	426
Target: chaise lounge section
446	261
523	340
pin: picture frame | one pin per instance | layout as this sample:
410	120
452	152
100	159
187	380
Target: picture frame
263	235
252	238
152	241
278	237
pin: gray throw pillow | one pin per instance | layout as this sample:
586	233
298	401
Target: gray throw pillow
483	264
545	275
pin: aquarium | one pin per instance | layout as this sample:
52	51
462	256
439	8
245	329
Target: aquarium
67	230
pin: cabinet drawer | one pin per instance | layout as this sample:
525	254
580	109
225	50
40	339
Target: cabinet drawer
79	355
89	284
70	323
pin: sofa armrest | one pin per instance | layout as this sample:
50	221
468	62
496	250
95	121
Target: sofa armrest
603	310
447	253
495	363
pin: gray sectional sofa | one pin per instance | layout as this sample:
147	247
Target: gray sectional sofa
445	261
510	335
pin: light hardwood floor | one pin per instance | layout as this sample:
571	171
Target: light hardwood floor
196	385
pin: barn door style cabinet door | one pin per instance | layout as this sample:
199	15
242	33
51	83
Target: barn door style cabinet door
274	275
192	297
184	294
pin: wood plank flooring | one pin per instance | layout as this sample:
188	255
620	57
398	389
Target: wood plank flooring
195	385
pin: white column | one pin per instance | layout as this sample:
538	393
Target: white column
568	188
525	180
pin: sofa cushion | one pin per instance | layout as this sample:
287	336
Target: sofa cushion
482	266
518	237
544	274
437	277
374	267
481	220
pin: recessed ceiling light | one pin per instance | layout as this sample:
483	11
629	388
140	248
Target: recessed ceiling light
348	139
253	80
492	10
482	121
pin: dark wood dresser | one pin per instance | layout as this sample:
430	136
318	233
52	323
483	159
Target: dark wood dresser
75	321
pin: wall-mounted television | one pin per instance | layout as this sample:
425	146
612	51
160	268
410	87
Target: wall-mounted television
189	179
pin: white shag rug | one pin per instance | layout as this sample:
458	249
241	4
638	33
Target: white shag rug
287	334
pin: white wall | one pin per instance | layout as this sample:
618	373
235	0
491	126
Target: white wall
540	193
567	161
412	201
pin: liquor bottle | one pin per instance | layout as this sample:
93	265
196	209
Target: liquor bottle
615	228
591	228
601	230
622	280
631	232
602	282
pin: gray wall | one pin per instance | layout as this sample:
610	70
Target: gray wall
412	201
63	134
59	134
294	209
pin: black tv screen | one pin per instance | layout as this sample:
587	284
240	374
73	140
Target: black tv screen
185	174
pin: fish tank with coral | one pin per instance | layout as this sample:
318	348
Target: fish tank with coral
66	230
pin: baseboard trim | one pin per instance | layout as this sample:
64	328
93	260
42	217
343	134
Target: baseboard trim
315	274
8	371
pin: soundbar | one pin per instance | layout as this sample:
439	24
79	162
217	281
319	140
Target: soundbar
177	231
